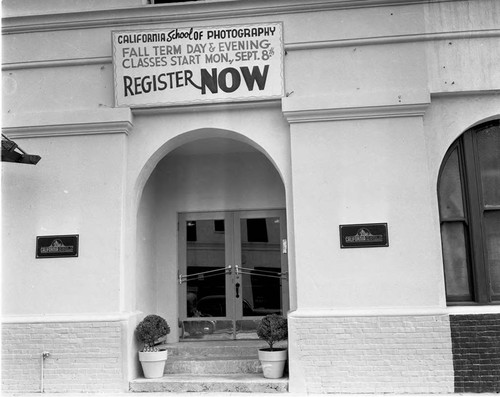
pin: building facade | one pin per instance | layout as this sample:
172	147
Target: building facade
334	161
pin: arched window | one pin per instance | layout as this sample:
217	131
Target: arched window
469	208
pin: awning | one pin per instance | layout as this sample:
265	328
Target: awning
12	153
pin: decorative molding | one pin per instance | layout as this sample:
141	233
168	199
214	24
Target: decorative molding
368	112
465	93
396	39
473	309
54	63
369	312
117	127
70	318
394	311
104	121
183	12
214	107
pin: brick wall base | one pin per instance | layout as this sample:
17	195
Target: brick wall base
365	354
328	354
84	356
476	352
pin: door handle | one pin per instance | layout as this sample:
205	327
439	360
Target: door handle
237	285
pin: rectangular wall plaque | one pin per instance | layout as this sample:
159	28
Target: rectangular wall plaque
57	246
364	235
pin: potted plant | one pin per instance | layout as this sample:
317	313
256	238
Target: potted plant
149	331
273	328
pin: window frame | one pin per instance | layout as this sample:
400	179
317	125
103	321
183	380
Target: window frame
474	210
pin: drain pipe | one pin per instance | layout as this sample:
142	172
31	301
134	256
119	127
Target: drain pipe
42	361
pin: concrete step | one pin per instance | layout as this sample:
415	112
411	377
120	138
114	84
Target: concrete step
221	366
231	349
236	383
213	365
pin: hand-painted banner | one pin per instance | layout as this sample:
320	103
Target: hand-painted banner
198	64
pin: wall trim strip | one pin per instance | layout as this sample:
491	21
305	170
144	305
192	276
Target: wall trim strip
68	130
395	311
70	318
54	63
311	45
380	40
85	122
369	312
369	112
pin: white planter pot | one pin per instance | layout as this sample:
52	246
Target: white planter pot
273	363
153	363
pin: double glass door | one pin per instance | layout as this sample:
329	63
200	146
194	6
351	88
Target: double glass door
232	271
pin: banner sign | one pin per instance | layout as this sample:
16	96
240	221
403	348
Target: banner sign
198	65
57	246
364	235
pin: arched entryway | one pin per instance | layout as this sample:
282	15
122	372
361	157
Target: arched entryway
221	188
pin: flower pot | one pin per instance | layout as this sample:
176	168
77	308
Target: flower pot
273	362
153	363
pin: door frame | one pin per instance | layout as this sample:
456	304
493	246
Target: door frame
232	246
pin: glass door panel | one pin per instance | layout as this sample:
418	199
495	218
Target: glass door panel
261	266
206	263
262	269
204	277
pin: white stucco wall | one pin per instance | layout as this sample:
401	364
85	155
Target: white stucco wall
146	273
365	171
466	60
67	192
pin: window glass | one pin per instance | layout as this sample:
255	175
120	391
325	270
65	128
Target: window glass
261	265
206	269
488	144
191	230
450	189
257	230
492	237
455	261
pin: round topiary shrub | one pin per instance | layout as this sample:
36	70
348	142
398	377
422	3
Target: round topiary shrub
150	330
273	328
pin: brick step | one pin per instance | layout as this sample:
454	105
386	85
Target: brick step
213	365
236	383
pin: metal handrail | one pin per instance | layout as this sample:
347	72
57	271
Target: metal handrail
188	277
255	272
228	269
280	275
258	270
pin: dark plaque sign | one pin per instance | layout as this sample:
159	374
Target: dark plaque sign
57	246
364	235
